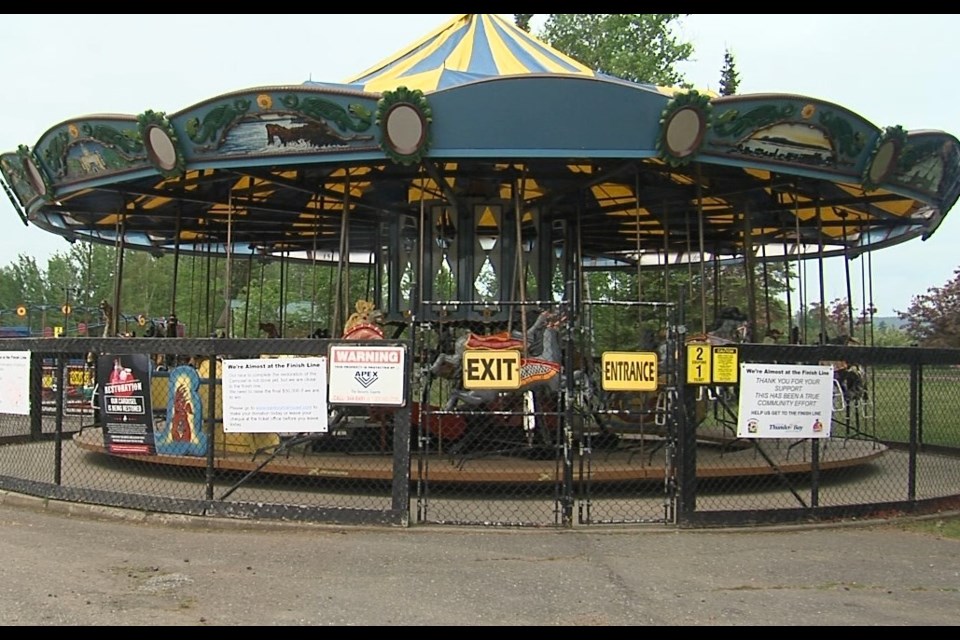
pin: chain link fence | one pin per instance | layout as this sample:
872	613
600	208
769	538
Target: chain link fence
560	453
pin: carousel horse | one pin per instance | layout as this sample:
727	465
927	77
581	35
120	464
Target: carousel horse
540	371
849	379
106	312
364	323
731	326
539	368
270	329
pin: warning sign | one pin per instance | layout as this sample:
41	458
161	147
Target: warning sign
369	375
725	365
629	371
486	369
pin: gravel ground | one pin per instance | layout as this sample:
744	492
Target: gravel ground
67	564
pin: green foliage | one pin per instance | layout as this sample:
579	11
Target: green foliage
838	319
632	46
886	335
522	20
85	275
720	286
729	78
933	317
947	526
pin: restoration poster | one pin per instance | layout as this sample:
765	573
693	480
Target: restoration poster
125	410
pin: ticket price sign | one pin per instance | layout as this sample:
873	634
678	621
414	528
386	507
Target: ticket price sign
699	363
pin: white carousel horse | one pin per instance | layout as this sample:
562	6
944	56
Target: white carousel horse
106	312
849	380
539	367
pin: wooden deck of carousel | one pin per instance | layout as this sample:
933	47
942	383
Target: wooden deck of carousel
631	459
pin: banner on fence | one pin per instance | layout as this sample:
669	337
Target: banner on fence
127	416
785	401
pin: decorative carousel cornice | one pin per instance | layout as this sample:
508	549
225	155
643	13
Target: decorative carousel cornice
404	118
683	127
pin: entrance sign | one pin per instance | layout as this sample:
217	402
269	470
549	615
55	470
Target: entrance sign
491	369
629	371
785	401
368	375
276	395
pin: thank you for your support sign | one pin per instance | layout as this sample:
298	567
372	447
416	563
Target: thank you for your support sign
785	401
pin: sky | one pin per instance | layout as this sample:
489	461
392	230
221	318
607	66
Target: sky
895	69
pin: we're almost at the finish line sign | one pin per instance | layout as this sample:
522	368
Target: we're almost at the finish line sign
785	401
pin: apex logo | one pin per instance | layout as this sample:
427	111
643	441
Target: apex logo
365	378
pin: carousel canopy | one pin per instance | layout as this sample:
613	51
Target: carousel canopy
469	47
479	117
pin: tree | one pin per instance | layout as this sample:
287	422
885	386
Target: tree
729	78
933	318
522	20
886	335
638	47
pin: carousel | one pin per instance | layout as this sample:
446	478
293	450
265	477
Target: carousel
480	180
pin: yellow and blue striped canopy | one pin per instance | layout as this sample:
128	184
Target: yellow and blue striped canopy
469	47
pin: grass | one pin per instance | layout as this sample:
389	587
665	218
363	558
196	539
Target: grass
890	387
886	414
947	527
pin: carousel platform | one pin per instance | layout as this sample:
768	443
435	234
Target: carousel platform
635	459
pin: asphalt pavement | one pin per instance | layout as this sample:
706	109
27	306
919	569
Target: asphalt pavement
77	565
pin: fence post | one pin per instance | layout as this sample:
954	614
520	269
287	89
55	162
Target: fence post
685	473
915	379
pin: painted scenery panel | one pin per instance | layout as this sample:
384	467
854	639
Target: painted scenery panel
278	124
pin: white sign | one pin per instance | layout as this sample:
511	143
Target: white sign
275	395
15	382
371	375
785	401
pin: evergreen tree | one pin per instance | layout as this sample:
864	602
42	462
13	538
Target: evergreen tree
729	78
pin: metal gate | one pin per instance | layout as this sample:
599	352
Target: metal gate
561	454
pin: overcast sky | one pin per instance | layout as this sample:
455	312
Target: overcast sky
891	69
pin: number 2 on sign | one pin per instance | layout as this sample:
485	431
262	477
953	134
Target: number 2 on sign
699	363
